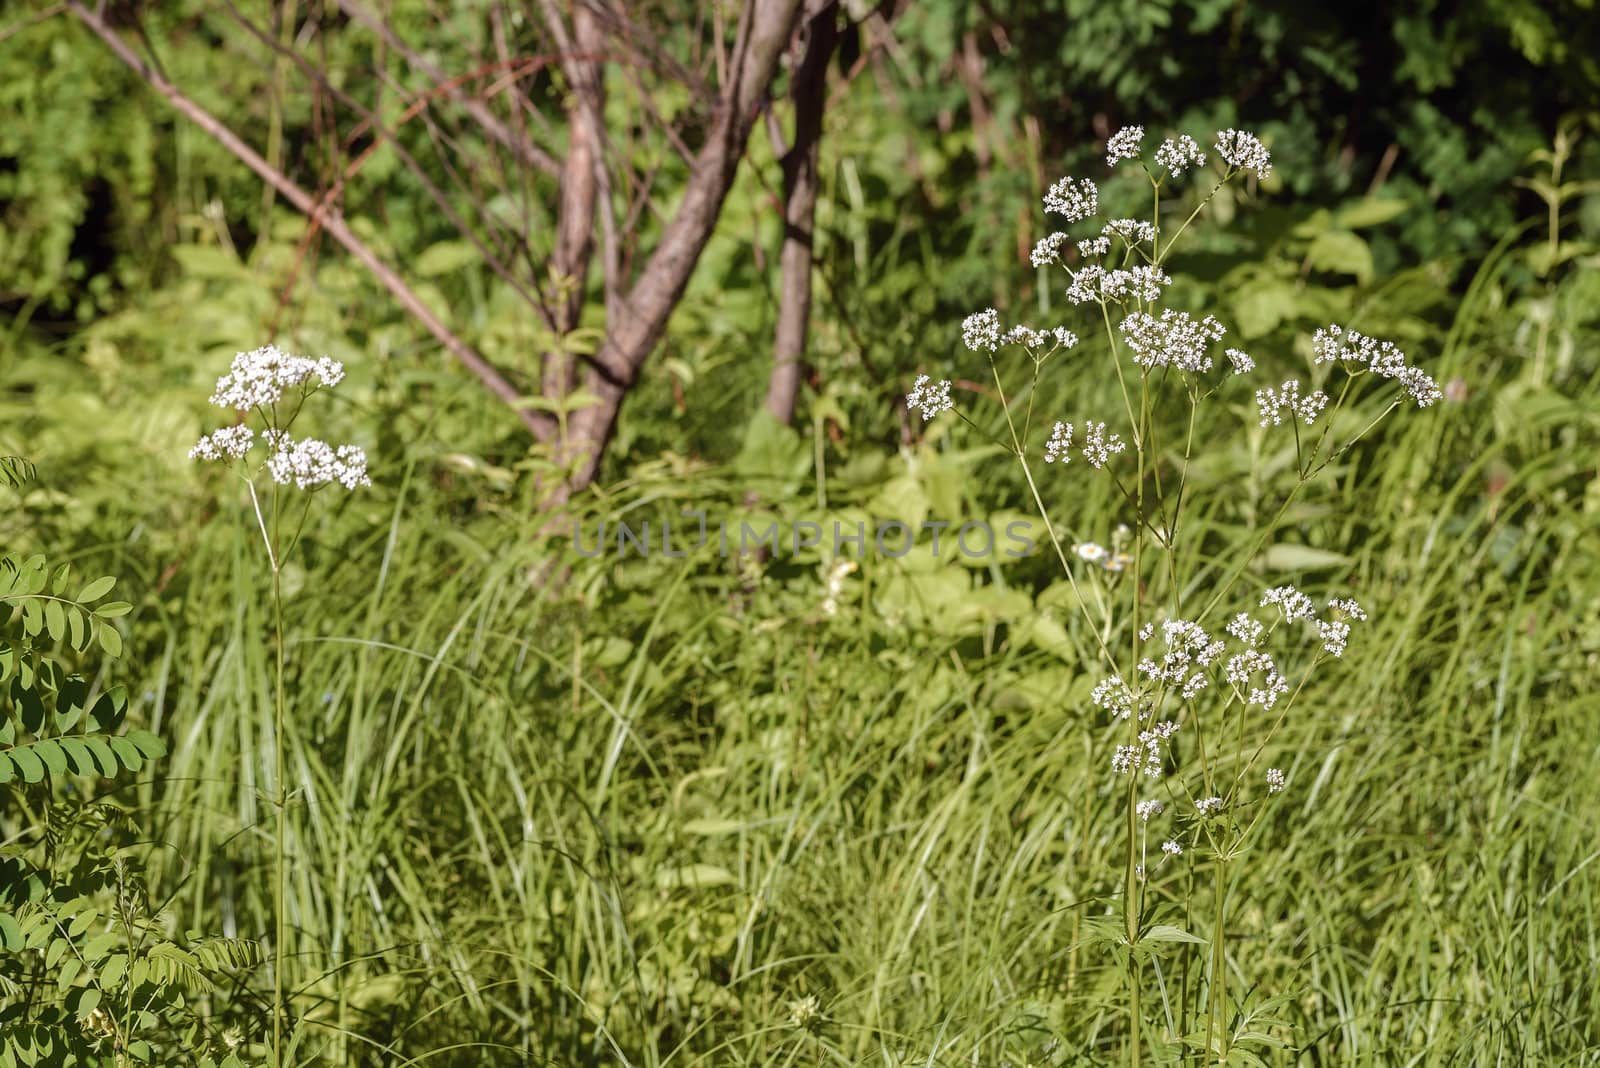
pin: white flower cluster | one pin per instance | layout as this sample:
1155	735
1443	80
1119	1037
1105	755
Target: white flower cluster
1048	249
981	330
1295	606
1124	144
1190	650
1338	345
1244	151
258	378
1074	200
1246	629
1179	155
1241	361
1098	446
1028	337
1272	403
1172	849
929	398
1060	444
1146	756
309	463
1174	340
1133	231
1142	281
1241	671
1146	809
1094	246
229	443
1115	697
1275	780
1208	806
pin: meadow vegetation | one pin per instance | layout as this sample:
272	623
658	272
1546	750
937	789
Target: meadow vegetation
435	787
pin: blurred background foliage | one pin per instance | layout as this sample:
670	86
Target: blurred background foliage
632	819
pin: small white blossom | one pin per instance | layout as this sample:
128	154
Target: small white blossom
1241	361
1349	607
1174	340
1048	249
1246	629
1244	151
1146	631
1037	339
1275	780
1146	809
229	443
1124	144
1060	441
1291	602
805	1013
1085	287
1133	231
1335	634
929	398
1143	281
258	378
1335	344
1098	446
1241	671
1208	805
1075	200
1172	849
981	330
1091	552
1272	403
1094	246
1113	696
309	463
1179	155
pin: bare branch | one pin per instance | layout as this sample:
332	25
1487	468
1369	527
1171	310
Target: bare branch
539	423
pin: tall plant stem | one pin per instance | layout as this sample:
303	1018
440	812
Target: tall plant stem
1216	1022
1131	926
279	927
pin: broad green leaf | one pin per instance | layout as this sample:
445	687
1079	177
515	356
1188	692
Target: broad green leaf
51	753
112	971
97	589
103	755
10	933
110	640
149	744
7	769
1166	932
1341	252
127	752
1289	557
31	767
55	621
444	257
88	1001
100	945
78	750
1371	211
113	609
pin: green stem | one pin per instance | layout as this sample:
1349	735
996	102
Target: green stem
1217	1024
279	926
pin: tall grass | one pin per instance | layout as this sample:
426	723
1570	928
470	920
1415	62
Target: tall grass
636	821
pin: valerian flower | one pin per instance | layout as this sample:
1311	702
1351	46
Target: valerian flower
1335	344
1059	444
1077	200
1244	151
1124	144
258	378
229	443
1178	155
1272	403
309	463
929	398
1174	340
1098	446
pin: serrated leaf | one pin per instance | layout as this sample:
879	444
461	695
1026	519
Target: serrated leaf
97	589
